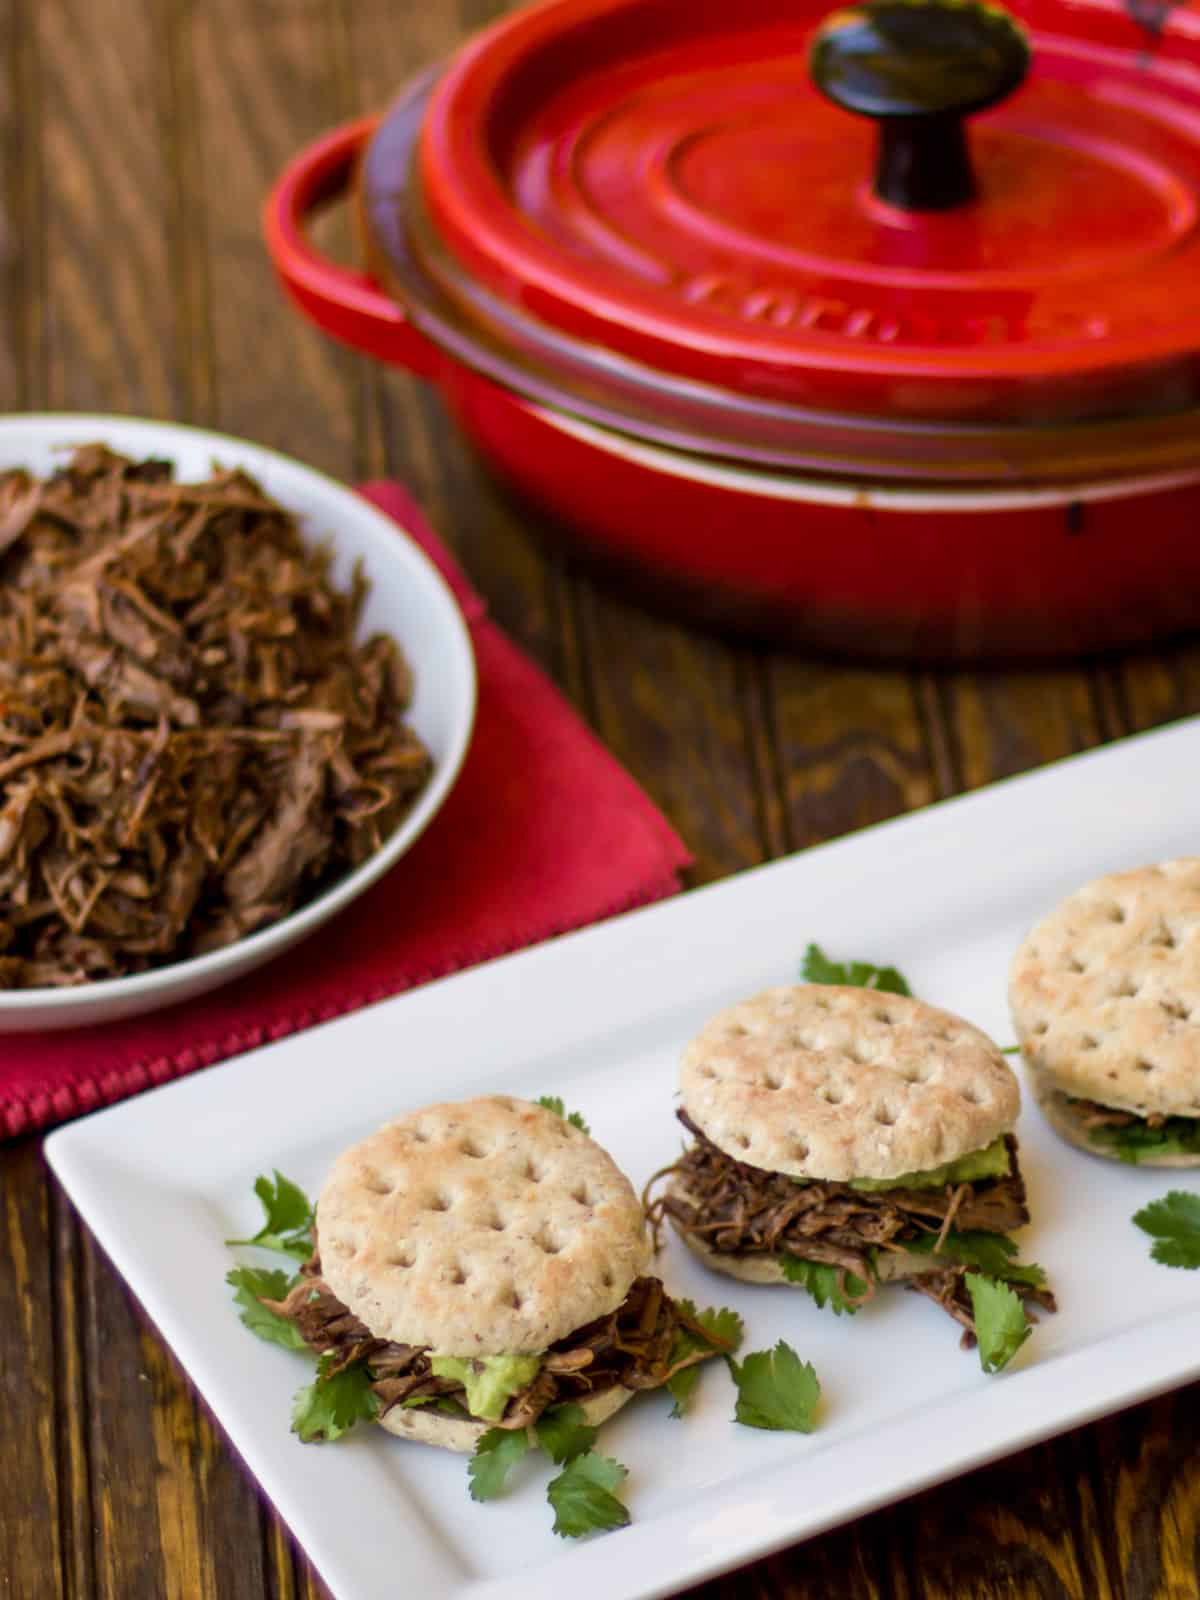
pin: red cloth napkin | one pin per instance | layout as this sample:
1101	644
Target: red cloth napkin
542	833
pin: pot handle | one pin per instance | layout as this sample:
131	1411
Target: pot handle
920	68
344	303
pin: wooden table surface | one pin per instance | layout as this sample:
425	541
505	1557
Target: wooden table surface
137	138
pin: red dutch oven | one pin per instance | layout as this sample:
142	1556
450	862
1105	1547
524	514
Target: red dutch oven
739	299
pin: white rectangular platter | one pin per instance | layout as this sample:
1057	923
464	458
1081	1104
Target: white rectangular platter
599	1018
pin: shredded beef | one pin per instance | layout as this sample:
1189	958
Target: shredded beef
743	1210
631	1346
1090	1114
193	742
948	1289
737	1209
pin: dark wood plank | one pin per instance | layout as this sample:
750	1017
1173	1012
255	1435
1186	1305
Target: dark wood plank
674	706
20	219
173	1513
1148	1458
207	1508
1004	723
1159	687
852	747
108	304
259	81
119	1420
1026	1529
30	1561
852	1562
76	1519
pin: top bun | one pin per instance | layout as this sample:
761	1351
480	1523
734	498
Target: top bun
1105	991
488	1227
820	1081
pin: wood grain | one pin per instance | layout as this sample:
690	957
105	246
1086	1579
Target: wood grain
674	709
851	748
106	298
73	1399
1149	1461
1159	688
30	1551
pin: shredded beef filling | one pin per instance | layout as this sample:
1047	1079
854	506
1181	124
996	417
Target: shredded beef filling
1127	1134
1090	1114
740	1210
631	1346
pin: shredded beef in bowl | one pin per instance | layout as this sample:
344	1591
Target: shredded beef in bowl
193	741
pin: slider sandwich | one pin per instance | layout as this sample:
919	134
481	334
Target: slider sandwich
843	1138
485	1261
1105	999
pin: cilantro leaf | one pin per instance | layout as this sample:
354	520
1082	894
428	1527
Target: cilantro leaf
681	1386
990	1253
289	1218
821	1281
723	1330
564	1433
1176	1136
776	1390
328	1407
552	1103
1174	1224
253	1285
818	968
722	1325
1001	1326
583	1499
496	1454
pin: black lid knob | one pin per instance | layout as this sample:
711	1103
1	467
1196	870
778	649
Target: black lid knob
919	67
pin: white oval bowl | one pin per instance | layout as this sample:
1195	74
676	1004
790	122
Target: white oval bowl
408	599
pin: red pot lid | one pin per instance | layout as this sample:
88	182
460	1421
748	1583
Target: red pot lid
660	183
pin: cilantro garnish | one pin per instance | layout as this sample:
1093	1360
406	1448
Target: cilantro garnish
552	1103
1174	1224
1137	1141
289	1218
818	968
990	1253
496	1454
333	1402
776	1390
822	1282
583	1499
722	1330
330	1405
564	1432
581	1494
1001	1326
253	1286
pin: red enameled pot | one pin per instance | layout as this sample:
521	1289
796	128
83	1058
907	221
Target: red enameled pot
737	297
